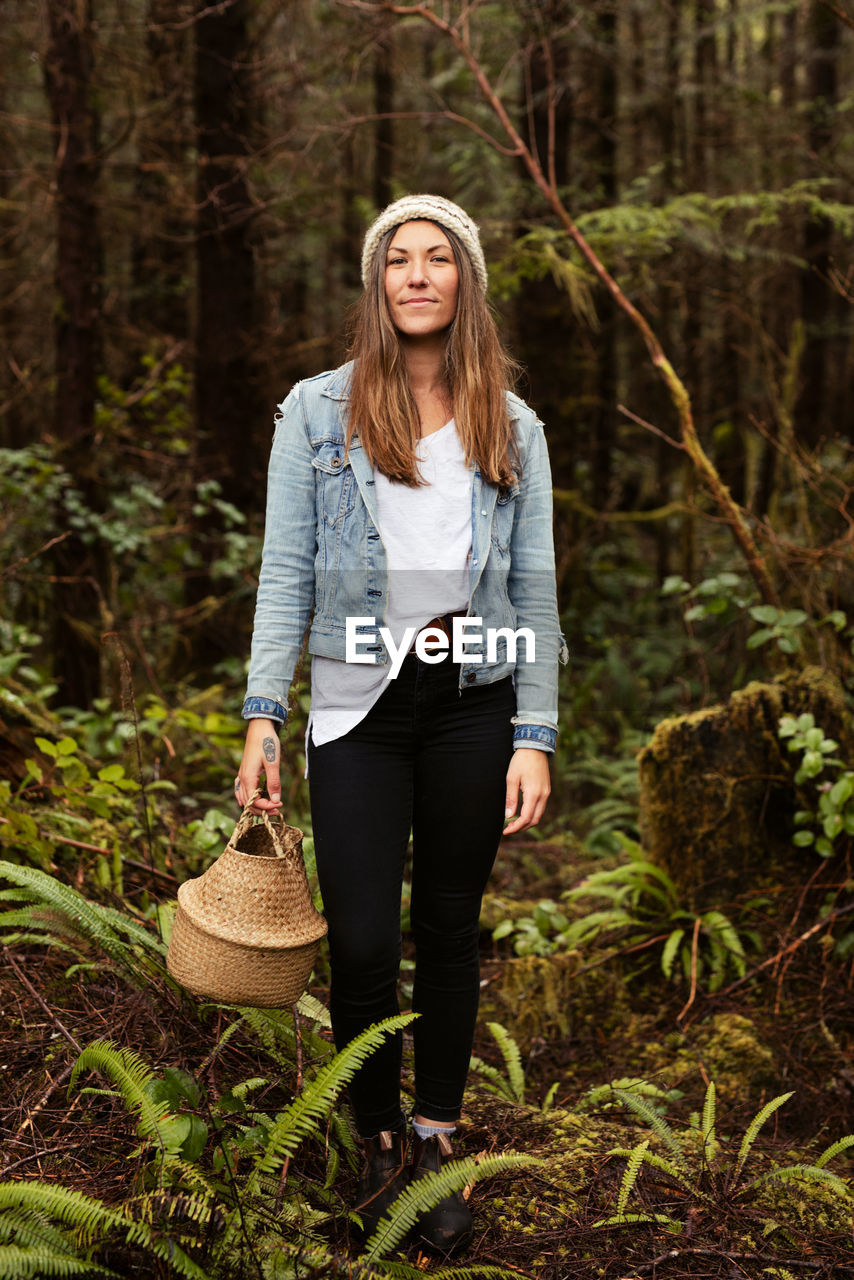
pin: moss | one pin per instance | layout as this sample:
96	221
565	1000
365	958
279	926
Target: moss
716	796
495	908
550	996
735	1057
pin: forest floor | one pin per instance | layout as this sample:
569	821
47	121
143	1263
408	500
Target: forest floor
707	1208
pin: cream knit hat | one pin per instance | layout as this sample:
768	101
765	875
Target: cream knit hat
434	209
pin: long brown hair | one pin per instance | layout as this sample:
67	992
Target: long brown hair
477	372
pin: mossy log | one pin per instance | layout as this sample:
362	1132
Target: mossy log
716	792
553	996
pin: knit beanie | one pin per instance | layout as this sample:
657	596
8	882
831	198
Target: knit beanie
434	209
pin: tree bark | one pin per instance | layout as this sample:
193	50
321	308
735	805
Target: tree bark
817	299
69	71
383	106
160	265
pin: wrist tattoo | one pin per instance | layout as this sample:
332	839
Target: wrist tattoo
269	745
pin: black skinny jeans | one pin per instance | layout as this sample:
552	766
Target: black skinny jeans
432	761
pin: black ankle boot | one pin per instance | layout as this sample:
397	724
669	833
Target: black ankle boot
447	1228
383	1177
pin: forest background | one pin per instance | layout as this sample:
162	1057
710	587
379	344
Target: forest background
663	191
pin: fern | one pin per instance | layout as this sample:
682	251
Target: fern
602	1095
802	1173
626	1219
17	1263
630	1176
301	1118
710	1141
656	1122
32	1230
498	1084
79	919
835	1149
426	1192
663	1165
671	951
91	1222
130	1075
753	1130
512	1061
310	1007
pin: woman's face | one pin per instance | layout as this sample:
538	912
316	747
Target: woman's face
421	279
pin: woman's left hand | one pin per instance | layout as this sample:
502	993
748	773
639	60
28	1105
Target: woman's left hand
528	773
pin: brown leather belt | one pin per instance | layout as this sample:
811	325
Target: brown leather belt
444	622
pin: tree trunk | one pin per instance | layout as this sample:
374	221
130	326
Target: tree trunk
383	105
69	68
229	412
605	157
546	332
160	267
817	309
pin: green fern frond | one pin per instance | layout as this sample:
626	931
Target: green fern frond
130	1075
512	1060
604	1094
624	1220
310	1007
136	931
426	1192
344	1136
835	1149
710	1140
471	1271
753	1130
803	1173
633	1168
670	951
17	1263
301	1118
273	1028
492	1078
83	917
656	1122
31	1230
663	1165
92	1221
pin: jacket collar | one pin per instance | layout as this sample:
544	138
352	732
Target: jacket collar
338	385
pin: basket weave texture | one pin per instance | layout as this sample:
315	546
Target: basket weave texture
246	931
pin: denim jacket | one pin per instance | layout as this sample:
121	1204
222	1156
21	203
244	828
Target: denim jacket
324	560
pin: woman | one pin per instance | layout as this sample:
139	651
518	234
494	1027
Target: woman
409	507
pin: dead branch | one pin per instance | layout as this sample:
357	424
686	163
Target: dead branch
734	515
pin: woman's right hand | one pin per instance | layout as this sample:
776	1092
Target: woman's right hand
261	754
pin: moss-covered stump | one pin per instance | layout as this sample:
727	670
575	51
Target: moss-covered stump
550	996
716	799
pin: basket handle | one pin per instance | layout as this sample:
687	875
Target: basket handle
246	820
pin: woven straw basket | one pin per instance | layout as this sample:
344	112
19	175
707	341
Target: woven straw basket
246	931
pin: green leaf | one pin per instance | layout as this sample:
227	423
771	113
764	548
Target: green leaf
753	1130
670	951
803	838
111	773
47	748
842	790
765	613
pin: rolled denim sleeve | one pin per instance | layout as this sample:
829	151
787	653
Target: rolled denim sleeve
532	590
286	581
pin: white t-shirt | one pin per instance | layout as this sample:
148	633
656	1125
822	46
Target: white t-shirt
426	533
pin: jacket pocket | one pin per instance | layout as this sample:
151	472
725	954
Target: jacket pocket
335	483
502	521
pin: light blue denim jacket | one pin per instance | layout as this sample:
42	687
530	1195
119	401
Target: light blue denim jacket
323	555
